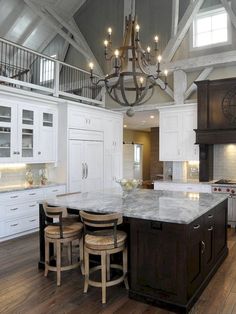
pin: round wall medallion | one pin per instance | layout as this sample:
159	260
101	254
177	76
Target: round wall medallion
229	105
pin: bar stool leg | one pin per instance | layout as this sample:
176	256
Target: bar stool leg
58	263
69	253
103	269
46	257
86	270
81	254
108	267
125	267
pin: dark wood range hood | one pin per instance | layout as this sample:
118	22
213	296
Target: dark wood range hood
216	120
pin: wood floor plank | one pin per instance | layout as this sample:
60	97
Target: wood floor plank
24	289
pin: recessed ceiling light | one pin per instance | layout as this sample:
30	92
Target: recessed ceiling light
125	126
152	117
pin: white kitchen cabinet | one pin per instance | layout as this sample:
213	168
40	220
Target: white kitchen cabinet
182	187
20	210
28	133
113	147
85	163
177	136
8	132
84	119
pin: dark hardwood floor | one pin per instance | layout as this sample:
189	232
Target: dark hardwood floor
24	289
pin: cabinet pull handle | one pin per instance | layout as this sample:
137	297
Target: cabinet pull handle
156	225
32	205
39	153
14	208
31	194
210	216
15	196
210	229
54	190
83	171
86	171
14	225
203	245
32	220
196	227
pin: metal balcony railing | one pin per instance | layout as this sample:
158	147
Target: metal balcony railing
26	69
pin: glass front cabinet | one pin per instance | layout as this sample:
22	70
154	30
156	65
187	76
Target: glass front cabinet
8	133
27	133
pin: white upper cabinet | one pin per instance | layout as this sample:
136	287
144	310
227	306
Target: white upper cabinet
177	136
28	133
84	119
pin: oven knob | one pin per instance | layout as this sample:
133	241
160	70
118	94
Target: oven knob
215	189
227	190
232	191
219	189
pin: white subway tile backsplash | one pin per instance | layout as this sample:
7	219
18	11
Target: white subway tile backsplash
225	161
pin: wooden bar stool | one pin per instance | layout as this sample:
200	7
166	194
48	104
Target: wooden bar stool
60	233
104	243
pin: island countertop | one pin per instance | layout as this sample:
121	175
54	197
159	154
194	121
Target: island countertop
164	206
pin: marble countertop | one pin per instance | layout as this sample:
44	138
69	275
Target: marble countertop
22	187
166	206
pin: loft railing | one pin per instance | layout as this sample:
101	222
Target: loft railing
26	69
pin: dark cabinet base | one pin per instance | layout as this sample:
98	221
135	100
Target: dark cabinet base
176	307
171	264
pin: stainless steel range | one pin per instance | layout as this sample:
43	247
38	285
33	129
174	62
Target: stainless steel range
227	187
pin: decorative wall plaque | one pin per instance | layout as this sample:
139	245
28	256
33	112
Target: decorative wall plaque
229	105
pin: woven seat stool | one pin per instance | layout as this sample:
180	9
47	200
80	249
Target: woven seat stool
104	243
60	233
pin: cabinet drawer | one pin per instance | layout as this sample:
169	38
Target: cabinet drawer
54	191
21	225
21	196
84	120
21	210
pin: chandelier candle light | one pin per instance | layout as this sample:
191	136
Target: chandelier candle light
131	82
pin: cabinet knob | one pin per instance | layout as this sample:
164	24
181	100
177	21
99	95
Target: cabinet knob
39	153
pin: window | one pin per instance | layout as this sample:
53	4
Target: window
137	153
211	28
47	69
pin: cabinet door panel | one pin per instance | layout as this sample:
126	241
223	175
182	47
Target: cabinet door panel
191	151
93	158
153	273
76	166
8	133
195	255
220	231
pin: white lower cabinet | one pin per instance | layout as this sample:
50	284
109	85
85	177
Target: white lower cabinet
182	187
20	210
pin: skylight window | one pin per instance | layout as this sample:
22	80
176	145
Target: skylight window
211	28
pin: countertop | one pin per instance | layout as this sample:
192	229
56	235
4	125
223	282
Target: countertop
23	187
166	206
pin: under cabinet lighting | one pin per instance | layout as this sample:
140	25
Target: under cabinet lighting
12	166
125	126
193	162
152	117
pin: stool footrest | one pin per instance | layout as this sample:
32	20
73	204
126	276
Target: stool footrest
63	268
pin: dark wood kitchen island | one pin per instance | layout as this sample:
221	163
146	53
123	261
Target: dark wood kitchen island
177	240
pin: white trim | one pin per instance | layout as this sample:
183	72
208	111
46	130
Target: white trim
89	100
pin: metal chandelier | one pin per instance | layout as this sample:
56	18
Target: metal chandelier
131	82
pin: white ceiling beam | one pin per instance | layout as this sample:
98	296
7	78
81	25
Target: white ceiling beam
190	64
230	12
183	27
78	37
57	27
175	17
202	76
